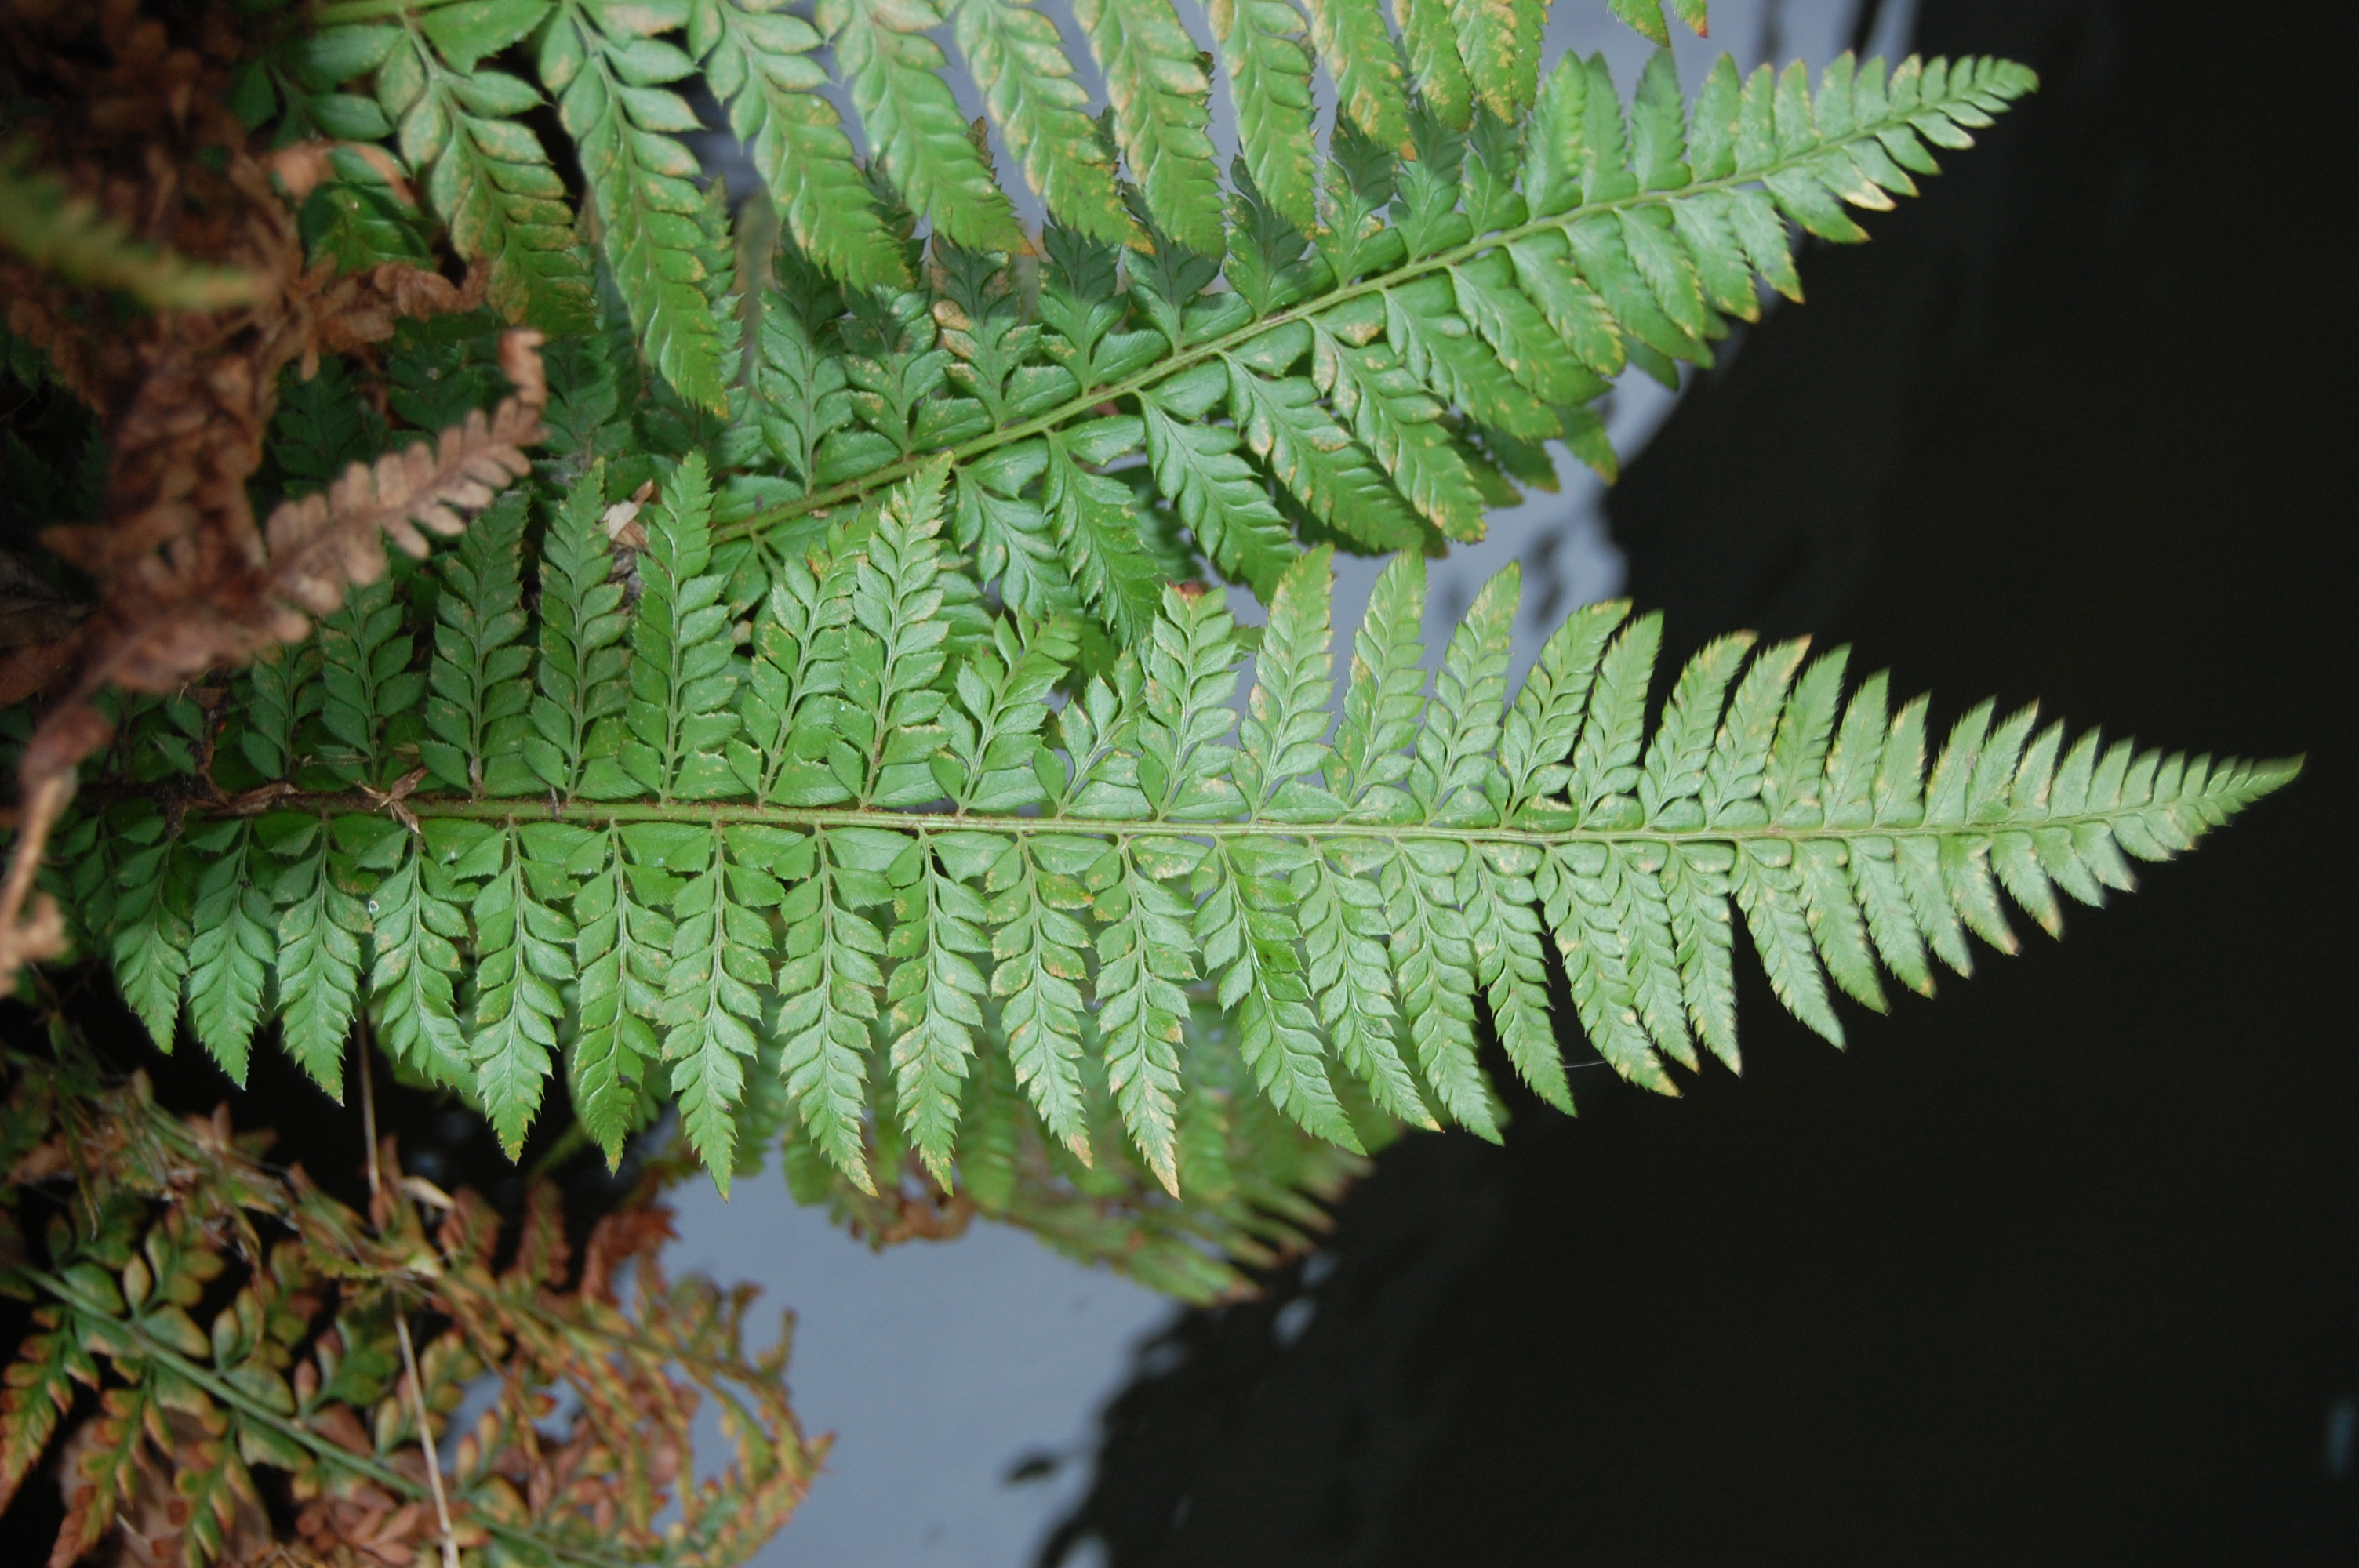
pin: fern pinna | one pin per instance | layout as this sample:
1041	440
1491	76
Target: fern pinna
825	852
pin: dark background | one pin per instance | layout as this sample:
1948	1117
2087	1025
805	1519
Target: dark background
2064	1266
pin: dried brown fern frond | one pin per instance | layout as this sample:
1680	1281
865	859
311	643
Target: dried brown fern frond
321	544
241	1332
162	629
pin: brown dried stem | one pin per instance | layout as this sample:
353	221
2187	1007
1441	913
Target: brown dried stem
416	1384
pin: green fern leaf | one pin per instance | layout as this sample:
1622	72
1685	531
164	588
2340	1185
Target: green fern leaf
320	928
1499	40
939	925
1542	726
366	681
1145	954
1442	352
1020	64
1518	331
1269	76
1317	460
1429	36
1039	946
1604	763
757	55
1358	903
580	673
1658	132
1283	743
1278	1024
1353	43
1453	774
524	942
487	174
1657	972
827	986
1671	787
622	946
914	127
683	679
805	390
1394	419
478	685
151	929
607	67
718	967
416	923
1157	93
1091	516
232	942
1223	502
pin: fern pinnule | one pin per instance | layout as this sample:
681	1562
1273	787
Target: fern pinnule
1029	84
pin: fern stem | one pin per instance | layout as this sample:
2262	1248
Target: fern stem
853	489
344	11
401	1317
598	813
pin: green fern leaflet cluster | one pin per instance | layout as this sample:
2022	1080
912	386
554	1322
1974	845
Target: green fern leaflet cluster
837	741
819	842
1366	338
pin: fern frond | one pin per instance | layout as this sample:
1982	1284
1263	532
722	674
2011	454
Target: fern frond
883	850
1504	222
1492	256
1497	281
